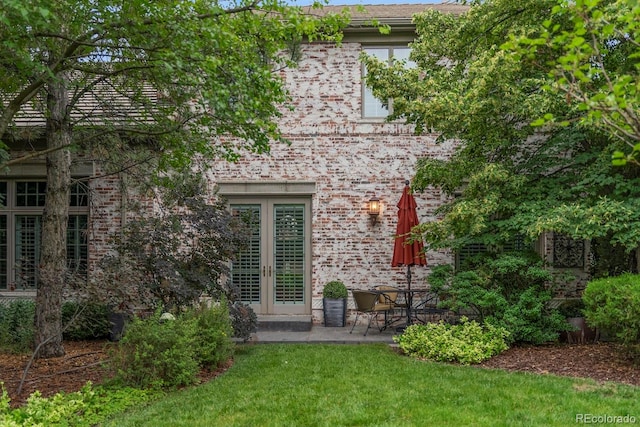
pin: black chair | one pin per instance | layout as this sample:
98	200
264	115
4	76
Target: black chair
427	308
368	302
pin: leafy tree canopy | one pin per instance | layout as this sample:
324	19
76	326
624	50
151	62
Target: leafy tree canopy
182	74
509	175
596	60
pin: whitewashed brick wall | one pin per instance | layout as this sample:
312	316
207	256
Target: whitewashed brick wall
350	159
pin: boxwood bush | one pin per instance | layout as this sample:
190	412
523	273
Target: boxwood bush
612	304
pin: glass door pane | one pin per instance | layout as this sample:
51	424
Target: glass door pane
27	250
288	254
245	270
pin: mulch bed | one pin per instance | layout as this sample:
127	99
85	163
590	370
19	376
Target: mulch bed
601	361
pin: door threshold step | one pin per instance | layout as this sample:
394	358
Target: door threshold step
286	322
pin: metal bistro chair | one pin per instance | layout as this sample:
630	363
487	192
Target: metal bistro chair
368	302
389	295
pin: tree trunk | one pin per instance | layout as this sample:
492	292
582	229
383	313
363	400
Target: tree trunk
53	248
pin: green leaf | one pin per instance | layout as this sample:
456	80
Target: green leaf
618	158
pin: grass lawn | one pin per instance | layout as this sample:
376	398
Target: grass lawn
371	385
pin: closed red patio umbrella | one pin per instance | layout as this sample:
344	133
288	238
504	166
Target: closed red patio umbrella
407	251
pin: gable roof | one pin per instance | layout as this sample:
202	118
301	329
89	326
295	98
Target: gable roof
397	16
397	11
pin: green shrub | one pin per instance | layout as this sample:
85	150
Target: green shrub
16	325
613	304
84	321
212	340
155	353
86	407
335	289
169	353
465	343
509	290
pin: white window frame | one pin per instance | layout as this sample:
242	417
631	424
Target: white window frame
371	107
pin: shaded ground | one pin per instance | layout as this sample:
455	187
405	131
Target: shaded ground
82	363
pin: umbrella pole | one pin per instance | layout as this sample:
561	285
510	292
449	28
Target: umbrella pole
409	295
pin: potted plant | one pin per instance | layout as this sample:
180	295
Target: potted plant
334	302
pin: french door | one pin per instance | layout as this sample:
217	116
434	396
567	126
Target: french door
273	272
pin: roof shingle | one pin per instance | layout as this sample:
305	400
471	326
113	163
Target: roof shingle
393	11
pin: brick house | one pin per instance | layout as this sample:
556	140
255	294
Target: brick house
309	199
342	154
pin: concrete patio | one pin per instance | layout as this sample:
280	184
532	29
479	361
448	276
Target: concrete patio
322	334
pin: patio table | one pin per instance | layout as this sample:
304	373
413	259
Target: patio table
416	300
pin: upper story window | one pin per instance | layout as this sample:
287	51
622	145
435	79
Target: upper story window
21	205
371	106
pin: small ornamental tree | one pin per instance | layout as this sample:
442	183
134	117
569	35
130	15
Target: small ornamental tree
509	291
179	253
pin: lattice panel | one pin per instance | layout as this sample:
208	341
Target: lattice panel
469	251
567	252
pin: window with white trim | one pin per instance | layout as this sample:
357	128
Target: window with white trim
372	107
21	205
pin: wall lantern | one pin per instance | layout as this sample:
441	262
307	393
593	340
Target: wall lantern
374	210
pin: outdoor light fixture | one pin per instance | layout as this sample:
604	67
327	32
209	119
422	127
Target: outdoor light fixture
374	210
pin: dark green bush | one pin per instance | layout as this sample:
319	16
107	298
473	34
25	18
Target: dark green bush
335	289
466	343
509	290
612	304
155	353
85	321
169	353
16	325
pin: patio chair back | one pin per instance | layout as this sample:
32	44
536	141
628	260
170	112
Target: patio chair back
367	303
365	300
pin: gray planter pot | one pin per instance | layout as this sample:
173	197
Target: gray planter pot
335	311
